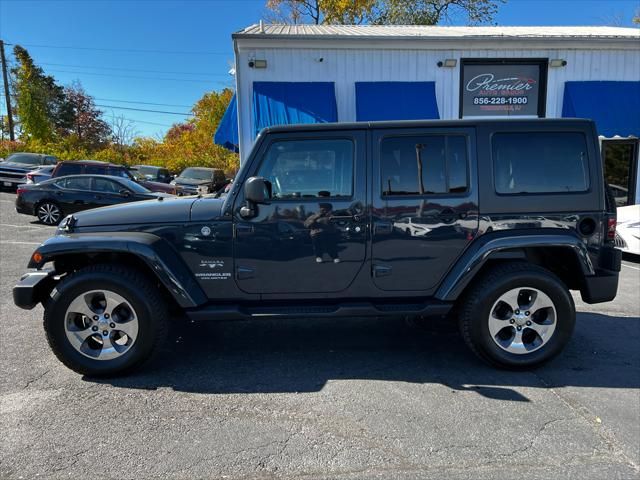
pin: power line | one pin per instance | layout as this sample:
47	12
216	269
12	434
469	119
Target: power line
138	77
144	110
142	103
120	50
133	69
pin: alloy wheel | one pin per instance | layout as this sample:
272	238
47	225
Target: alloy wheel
101	324
522	320
49	213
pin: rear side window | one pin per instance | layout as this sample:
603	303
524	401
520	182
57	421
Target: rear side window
95	170
540	162
68	169
423	165
75	183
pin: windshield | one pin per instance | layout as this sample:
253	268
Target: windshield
147	170
25	158
133	186
197	173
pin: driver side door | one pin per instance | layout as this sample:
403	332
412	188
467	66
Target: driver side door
311	235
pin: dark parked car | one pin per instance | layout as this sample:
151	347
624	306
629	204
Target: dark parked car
40	174
154	174
13	171
195	180
313	227
52	199
95	167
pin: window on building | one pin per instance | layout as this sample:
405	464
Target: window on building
309	168
424	165
540	162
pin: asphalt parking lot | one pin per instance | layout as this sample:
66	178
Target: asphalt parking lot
322	399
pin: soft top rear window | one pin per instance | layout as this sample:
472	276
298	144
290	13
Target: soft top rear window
540	162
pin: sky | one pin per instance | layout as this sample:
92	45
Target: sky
165	54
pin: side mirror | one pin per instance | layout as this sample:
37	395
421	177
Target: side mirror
125	193
257	190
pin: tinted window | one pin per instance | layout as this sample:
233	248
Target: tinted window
68	169
540	162
119	172
95	169
422	165
75	183
105	185
133	186
51	160
309	168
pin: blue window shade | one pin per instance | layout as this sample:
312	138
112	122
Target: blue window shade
614	106
396	101
227	133
284	103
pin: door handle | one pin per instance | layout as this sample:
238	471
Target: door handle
243	229
382	228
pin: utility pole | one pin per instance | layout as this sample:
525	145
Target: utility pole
7	95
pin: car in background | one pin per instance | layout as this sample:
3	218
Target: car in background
53	199
620	194
14	169
40	174
628	229
95	167
152	173
195	180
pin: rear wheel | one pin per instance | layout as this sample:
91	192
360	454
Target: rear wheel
518	315
105	320
49	213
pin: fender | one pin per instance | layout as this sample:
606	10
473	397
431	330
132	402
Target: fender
155	252
505	245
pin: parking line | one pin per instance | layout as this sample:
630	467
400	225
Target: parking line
21	226
20	243
629	266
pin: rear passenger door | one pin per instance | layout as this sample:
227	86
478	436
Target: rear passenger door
424	205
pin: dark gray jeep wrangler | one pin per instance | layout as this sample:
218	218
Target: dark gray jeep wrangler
490	221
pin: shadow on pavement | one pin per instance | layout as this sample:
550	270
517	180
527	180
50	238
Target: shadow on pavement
265	356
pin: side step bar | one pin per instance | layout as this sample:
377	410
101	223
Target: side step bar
359	309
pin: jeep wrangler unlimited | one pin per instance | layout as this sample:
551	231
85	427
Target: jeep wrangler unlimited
493	220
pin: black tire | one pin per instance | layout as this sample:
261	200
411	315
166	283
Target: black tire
137	289
477	303
49	212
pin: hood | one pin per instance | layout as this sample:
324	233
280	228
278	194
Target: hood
191	181
168	210
19	166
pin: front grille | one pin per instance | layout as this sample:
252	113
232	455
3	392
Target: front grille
619	241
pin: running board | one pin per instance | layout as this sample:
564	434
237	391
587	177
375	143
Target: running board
359	309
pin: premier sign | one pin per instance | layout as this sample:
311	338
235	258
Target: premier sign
502	88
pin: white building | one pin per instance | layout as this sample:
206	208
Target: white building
309	73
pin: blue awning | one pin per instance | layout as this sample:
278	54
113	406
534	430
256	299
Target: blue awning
396	101
227	133
284	103
614	106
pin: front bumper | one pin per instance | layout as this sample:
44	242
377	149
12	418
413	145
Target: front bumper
33	288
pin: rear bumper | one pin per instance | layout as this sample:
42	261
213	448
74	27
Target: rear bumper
33	288
603	286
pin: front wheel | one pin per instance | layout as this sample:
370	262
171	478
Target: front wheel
105	320
517	316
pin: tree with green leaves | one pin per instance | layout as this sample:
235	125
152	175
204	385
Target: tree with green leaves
40	102
382	12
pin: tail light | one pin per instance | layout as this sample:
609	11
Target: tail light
30	177
20	190
611	228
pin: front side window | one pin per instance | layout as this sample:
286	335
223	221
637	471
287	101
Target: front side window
309	168
540	162
423	165
105	186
